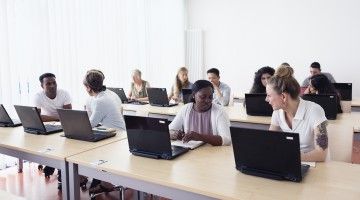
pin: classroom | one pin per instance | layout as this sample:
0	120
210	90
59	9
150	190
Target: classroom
179	99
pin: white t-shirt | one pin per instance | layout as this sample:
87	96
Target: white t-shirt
48	106
308	116
105	108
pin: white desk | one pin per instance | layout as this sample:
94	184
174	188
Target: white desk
49	150
4	195
208	173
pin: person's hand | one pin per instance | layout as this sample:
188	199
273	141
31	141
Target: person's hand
191	136
177	134
307	90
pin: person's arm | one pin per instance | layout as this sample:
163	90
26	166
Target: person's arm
214	140
176	127
46	118
67	106
321	145
98	113
222	97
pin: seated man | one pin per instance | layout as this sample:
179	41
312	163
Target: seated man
315	69
47	101
51	98
222	91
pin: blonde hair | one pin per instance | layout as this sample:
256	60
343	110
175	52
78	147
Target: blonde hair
136	71
178	84
284	81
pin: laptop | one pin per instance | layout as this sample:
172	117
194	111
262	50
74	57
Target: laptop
327	101
77	126
268	154
5	120
32	123
257	106
120	92
345	90
186	95
150	137
158	97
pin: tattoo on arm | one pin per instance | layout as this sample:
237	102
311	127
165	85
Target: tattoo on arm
321	136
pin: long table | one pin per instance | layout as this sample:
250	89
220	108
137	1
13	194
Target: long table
340	131
49	150
208	173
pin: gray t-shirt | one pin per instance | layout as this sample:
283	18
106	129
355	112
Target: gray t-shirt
106	109
306	82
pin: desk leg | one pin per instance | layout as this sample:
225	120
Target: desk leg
64	180
20	167
74	181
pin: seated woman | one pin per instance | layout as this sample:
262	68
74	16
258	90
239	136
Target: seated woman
320	84
293	114
181	82
202	120
104	109
138	87
261	78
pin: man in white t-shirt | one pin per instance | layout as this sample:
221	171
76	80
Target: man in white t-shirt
51	98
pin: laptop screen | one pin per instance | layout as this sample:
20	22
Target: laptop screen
157	96
4	116
271	152
148	135
327	101
186	94
345	90
257	106
120	92
29	117
75	123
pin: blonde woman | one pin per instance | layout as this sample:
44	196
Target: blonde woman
181	82
138	87
293	114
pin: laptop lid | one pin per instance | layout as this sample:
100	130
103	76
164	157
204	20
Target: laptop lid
186	95
257	106
30	118
76	124
4	116
120	92
345	90
326	101
157	96
266	153
148	135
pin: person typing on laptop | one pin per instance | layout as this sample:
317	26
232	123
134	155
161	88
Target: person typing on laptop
293	114
202	120
138	87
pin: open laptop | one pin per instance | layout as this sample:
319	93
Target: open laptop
326	101
345	90
158	97
5	120
77	126
32	123
257	106
186	95
120	92
150	137
268	154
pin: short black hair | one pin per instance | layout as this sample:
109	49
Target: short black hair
214	71
315	65
46	75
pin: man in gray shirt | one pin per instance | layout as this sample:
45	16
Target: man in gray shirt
315	69
222	91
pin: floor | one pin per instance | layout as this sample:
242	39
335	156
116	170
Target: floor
32	184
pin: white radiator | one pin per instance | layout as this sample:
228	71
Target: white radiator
194	54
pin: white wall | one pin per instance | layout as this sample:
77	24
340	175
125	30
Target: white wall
241	36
